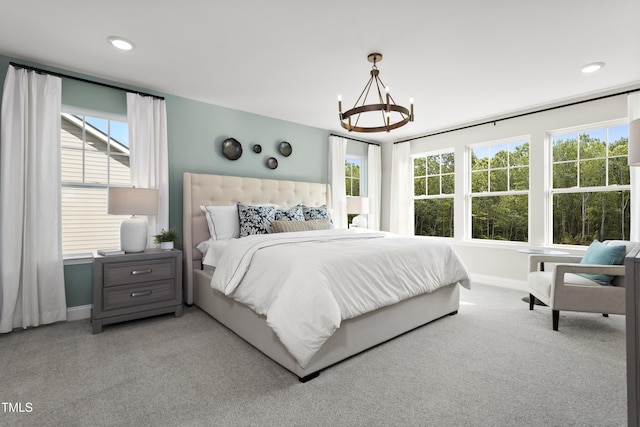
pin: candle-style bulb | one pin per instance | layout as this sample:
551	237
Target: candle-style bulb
411	114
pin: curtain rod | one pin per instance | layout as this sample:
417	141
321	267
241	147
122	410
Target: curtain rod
80	79
521	115
353	139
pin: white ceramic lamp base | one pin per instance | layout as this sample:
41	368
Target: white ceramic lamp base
359	221
133	235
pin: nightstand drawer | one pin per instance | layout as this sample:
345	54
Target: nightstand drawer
135	272
134	295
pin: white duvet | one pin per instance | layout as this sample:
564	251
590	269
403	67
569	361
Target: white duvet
306	283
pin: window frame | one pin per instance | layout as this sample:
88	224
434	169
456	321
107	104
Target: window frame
470	194
361	162
85	112
550	191
452	196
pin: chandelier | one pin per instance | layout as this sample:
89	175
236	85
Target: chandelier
386	107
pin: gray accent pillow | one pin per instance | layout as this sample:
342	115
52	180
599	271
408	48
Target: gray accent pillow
255	219
290	226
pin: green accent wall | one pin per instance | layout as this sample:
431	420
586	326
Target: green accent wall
195	134
77	282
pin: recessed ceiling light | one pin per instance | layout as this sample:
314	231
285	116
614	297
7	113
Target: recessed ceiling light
593	67
120	43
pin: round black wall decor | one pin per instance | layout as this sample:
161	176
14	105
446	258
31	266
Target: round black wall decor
231	149
257	148
285	148
272	163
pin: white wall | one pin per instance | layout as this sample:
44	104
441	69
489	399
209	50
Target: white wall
492	262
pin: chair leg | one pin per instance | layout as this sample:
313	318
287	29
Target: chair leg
605	315
532	301
556	318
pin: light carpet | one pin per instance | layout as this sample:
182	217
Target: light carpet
495	363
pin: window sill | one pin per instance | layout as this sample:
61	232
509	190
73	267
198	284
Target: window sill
507	245
78	258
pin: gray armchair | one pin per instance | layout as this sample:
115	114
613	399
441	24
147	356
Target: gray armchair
554	281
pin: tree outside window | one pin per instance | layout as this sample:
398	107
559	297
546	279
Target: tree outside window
433	191
590	185
352	168
500	191
353	183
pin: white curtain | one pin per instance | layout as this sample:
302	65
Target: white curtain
32	288
337	156
401	210
374	163
633	105
147	119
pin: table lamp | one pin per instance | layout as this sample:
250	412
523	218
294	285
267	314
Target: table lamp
359	206
133	201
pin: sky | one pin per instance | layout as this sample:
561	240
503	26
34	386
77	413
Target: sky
119	130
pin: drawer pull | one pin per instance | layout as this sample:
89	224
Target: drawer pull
140	294
134	272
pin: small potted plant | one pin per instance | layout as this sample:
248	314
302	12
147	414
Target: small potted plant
166	239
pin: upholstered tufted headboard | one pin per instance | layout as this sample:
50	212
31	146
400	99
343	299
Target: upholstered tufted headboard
203	189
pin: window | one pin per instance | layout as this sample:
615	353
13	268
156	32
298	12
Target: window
500	191
352	169
433	191
94	155
590	185
353	183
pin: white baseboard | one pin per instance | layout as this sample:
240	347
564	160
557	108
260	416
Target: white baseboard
79	312
519	285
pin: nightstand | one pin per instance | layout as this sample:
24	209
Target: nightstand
132	286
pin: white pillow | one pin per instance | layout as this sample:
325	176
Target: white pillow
222	221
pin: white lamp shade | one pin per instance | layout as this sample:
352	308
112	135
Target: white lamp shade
133	201
634	143
358	205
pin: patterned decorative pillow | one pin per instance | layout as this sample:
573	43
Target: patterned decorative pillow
312	224
291	214
319	212
255	219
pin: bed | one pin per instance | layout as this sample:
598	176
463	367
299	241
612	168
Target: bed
353	335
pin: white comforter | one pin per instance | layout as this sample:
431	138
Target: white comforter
306	283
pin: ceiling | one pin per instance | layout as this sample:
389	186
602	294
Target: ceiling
461	60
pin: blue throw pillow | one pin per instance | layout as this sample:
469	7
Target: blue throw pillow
599	253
